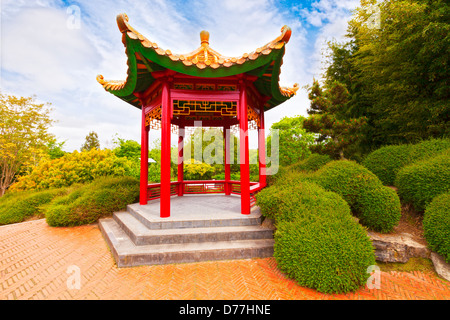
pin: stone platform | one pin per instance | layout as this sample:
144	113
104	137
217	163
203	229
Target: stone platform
200	228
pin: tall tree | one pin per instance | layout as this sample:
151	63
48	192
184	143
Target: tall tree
403	64
336	132
91	142
24	136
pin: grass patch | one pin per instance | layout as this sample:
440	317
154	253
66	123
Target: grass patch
413	264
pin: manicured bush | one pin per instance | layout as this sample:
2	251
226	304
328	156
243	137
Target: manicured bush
75	167
387	161
436	225
17	207
314	162
329	255
87	203
288	201
420	182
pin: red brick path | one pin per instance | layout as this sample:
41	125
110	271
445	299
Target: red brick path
35	260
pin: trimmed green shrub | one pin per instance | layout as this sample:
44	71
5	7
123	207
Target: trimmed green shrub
314	162
387	161
17	207
420	182
287	202
377	207
329	255
436	225
317	241
87	203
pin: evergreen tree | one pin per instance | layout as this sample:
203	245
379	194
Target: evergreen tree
328	119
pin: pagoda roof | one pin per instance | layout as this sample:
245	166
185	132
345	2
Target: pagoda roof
145	57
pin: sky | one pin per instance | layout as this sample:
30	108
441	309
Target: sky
54	50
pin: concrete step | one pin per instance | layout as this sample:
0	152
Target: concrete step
141	235
148	215
127	253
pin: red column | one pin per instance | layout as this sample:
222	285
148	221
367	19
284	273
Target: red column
165	151
226	157
144	161
180	159
243	151
262	149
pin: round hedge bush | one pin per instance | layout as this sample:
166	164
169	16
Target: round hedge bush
314	162
288	201
420	182
87	203
436	225
387	161
329	254
377	207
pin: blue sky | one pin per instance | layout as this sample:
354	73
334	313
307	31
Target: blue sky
55	49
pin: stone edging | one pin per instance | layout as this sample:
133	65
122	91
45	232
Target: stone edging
399	248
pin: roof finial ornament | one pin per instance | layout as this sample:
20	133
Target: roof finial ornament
204	37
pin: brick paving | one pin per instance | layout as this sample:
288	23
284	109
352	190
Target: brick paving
41	262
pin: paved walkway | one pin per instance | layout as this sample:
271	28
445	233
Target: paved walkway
41	262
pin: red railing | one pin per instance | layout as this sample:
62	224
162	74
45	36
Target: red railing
203	187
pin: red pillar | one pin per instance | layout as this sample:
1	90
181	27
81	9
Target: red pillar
165	151
144	161
180	159
262	149
226	157
243	151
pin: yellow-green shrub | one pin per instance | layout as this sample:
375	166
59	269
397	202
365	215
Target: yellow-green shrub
75	167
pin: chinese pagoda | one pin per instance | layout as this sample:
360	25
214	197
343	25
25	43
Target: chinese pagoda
176	90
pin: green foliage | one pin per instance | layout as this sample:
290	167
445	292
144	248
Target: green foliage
421	181
377	206
329	254
198	171
436	225
24	136
17	207
288	201
314	162
54	149
293	140
87	203
76	167
317	242
233	176
387	161
397	73
336	131
91	142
